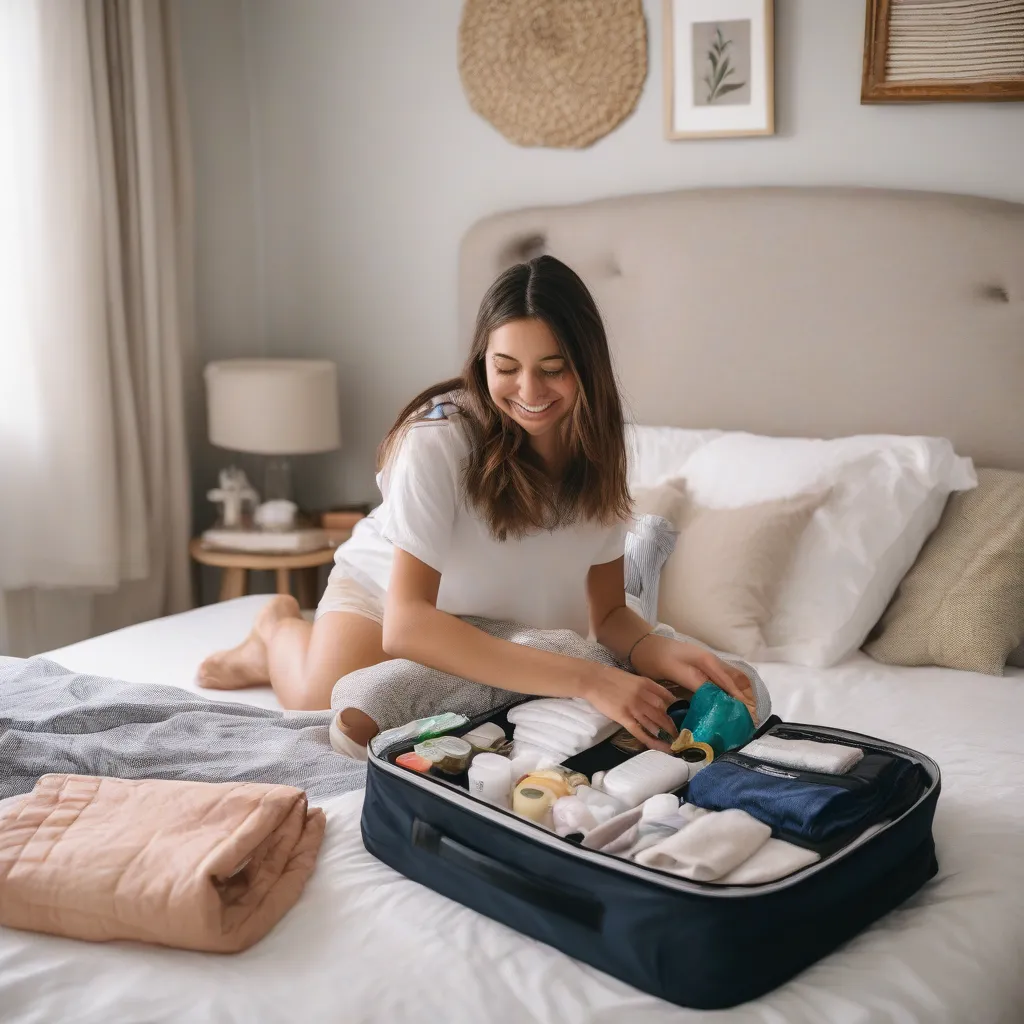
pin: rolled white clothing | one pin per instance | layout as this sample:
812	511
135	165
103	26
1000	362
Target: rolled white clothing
615	835
812	756
774	860
709	847
557	740
654	829
541	719
544	738
572	714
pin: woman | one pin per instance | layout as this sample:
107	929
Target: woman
504	496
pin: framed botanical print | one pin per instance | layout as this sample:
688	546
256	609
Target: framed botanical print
719	68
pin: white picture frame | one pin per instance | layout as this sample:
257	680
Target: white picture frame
719	68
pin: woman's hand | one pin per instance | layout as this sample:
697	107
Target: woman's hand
691	666
635	702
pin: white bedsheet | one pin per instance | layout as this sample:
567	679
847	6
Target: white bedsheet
168	651
365	944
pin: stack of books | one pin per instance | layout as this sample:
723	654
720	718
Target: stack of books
335	528
269	542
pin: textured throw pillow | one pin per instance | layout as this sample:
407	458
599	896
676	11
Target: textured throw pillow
961	605
887	494
719	584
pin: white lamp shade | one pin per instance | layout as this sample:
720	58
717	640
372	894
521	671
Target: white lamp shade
273	406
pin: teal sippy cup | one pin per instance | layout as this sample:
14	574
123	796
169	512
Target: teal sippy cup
719	720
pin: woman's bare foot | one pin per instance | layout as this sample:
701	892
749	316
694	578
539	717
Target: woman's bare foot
246	664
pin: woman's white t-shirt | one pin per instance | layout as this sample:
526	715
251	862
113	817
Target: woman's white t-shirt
539	579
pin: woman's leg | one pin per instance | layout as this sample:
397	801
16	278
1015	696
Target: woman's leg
302	661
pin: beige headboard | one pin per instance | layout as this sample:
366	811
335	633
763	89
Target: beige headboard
796	312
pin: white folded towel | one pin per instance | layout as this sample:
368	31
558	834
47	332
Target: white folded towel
551	739
830	758
544	739
559	726
774	860
709	847
578	713
540	718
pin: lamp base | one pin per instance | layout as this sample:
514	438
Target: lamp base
277	479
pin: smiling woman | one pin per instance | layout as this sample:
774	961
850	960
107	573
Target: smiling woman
505	498
527	377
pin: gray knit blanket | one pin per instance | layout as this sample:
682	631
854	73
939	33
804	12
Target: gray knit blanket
55	720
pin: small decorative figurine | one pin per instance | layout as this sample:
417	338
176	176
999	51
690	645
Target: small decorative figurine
233	494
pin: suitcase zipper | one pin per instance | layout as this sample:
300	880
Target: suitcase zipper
456	795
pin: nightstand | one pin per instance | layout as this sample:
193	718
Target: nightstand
236	565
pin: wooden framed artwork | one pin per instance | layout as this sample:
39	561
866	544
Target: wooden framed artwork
928	50
719	68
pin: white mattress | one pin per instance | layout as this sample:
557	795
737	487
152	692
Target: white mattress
365	944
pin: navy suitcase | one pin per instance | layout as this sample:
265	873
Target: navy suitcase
694	944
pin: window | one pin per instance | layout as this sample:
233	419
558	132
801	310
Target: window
20	227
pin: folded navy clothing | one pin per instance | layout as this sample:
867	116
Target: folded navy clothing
808	806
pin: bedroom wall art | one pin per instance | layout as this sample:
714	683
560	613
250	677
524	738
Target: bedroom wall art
719	68
560	73
927	50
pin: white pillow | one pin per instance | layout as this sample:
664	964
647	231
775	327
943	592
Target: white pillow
657	454
887	494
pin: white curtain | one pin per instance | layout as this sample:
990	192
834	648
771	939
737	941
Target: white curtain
95	319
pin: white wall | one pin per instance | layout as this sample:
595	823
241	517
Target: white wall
338	163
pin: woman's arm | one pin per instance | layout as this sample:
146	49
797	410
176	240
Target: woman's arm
415	629
621	630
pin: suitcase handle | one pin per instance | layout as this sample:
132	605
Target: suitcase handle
576	906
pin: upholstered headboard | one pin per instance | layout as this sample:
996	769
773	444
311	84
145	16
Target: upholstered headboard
799	312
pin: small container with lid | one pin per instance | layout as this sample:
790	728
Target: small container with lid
490	778
448	754
485	737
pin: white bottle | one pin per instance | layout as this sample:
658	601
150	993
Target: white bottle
490	778
642	776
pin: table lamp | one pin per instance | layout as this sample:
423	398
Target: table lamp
273	407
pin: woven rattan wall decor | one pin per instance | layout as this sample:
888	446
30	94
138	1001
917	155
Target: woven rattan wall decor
559	73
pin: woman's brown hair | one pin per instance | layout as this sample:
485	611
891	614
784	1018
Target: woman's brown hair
505	481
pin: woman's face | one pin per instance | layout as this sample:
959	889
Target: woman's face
527	376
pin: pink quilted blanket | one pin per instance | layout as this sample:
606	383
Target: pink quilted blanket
198	865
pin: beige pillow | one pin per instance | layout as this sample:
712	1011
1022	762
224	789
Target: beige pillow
961	605
719	584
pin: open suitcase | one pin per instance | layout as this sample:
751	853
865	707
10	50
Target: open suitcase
700	945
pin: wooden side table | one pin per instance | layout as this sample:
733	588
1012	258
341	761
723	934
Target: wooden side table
235	566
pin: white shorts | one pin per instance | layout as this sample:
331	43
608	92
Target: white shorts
344	594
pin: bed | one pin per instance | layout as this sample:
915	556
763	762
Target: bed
921	298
